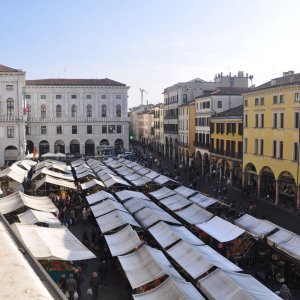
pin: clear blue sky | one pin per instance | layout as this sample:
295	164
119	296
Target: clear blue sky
150	43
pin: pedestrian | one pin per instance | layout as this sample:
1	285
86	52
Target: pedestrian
103	268
94	285
84	214
285	292
79	279
62	283
71	287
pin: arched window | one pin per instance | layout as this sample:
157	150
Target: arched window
10	106
89	111
43	111
103	111
118	110
74	111
58	110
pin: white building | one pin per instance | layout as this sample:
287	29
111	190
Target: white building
78	116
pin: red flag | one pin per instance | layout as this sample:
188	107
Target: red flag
34	152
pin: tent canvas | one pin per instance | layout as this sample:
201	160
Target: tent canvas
35	216
133	176
194	214
126	194
141	181
52	180
203	200
221	230
105	207
162	193
115	181
175	202
11	203
134	204
59	175
152	175
99	196
41	203
144	171
91	183
86	174
162	179
184	191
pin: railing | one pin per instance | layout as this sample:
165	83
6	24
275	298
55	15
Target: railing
76	119
185	145
231	154
8	118
201	145
171	131
171	117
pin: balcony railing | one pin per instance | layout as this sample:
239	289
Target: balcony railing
201	145
171	117
76	120
171	131
232	154
185	145
6	118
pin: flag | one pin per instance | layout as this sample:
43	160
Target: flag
25	106
34	152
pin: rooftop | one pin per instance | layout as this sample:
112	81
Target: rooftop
233	112
226	91
8	69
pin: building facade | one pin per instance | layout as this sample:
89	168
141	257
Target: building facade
271	139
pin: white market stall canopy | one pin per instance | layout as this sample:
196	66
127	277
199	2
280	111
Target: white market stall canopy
59	175
115	180
167	235
162	193
107	206
114	220
103	172
141	181
175	202
18	278
203	200
14	172
145	265
196	260
91	183
143	171
184	191
26	163
126	194
171	289
152	174
222	284
133	176
17	200
52	243
123	241
162	179
256	227
57	155
99	196
287	242
221	230
86	174
137	167
77	163
134	204
32	217
52	180
194	214
148	217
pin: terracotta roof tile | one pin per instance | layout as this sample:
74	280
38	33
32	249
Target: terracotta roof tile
8	69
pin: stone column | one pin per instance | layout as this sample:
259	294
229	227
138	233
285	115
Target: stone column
258	185
277	192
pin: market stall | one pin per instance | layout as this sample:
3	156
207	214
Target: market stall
32	217
194	214
175	202
185	191
98	197
135	204
107	206
162	193
126	194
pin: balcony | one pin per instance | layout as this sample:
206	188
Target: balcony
7	119
185	145
168	131
170	117
66	119
201	145
229	154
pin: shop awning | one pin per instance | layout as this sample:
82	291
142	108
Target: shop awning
114	220
152	174
175	202
256	227
171	289
194	214
144	171
203	200
124	171
99	196
77	162
115	180
145	265
91	183
11	203
14	172
162	193
86	174
106	206
52	243
196	260
221	230
133	176
148	217
26	163
51	180
162	179
59	175
137	167
104	171
134	204
184	191
167	235
123	241
141	181
222	284
34	216
126	194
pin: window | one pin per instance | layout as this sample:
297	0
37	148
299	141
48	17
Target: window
118	110
256	120
28	130
246	102
89	129
43	130
9	87
73	111
296	120
256	101
240	129
89	111
119	129
103	110
104	129
275	101
118	97
281	120
274	149
111	129
261	147
103	96
27	96
281	150
88	96
43	111
43	97
29	110
57	97
73	96
74	129
10	106
58	111
262	101
256	146
296	151
246	121
219	104
281	99
297	97
275	120
262	120
10	132
59	129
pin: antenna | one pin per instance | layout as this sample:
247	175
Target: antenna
142	95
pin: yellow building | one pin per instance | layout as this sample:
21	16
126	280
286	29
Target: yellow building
226	144
271	139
